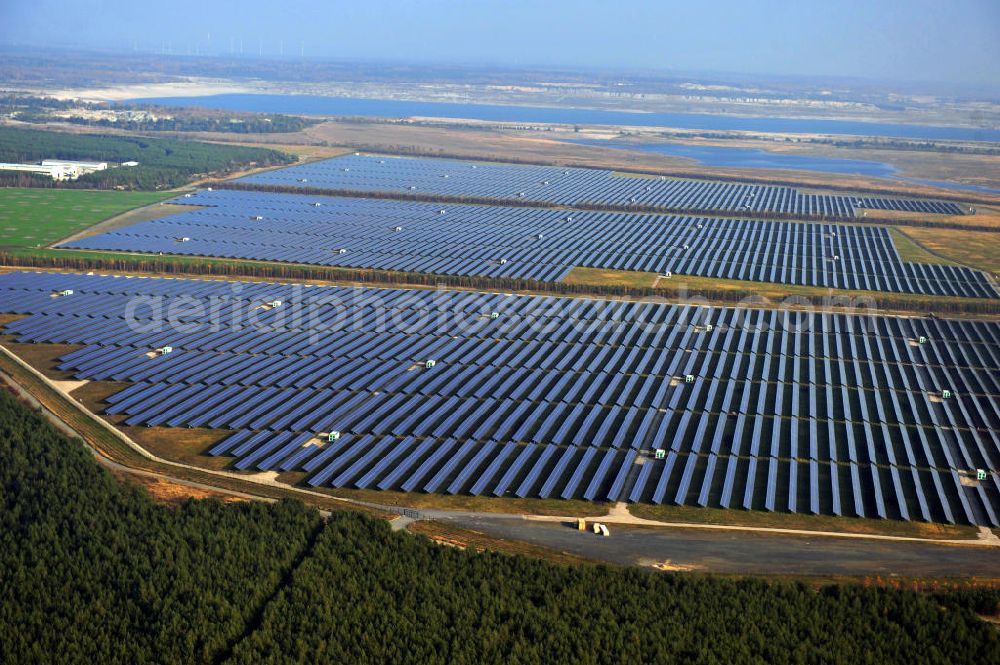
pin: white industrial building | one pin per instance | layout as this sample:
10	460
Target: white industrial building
54	172
57	169
81	167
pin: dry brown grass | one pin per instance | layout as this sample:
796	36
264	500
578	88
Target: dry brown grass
179	444
766	293
984	217
10	318
43	357
913	252
93	394
446	534
164	491
977	249
601	277
484	504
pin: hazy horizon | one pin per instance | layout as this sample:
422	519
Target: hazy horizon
956	43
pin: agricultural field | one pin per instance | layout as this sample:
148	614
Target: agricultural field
32	218
526	397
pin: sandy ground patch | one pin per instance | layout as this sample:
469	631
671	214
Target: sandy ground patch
668	566
189	87
69	386
265	476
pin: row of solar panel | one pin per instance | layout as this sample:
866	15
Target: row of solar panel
660	350
974	391
607	379
956	433
539	244
286	218
534	345
542	384
663	349
494	419
547	471
468	368
570	186
27	292
829	269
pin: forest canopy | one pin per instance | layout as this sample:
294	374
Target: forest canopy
146	117
163	163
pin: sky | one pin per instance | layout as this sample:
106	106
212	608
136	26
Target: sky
956	41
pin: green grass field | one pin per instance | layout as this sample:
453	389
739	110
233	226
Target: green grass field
31	218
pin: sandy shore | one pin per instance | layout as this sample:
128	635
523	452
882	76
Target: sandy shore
192	87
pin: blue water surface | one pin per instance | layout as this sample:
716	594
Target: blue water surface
344	106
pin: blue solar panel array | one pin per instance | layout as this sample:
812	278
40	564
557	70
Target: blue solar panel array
552	397
532	243
573	186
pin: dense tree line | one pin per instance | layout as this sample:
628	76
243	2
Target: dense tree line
19	179
91	570
28	108
236	124
921	146
453	606
163	163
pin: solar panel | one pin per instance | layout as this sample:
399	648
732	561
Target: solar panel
867	435
502	242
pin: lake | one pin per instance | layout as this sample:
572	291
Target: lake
390	108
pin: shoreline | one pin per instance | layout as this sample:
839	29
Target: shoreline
206	87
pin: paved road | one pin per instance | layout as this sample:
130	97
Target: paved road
749	553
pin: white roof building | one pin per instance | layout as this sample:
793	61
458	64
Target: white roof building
81	167
53	171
